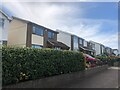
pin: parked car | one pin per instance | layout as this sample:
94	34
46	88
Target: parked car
89	58
90	61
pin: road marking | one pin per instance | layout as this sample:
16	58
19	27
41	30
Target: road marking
118	68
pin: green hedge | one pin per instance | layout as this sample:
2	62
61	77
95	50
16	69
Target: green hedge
21	64
104	59
109	59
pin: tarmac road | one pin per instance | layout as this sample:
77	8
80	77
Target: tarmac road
105	79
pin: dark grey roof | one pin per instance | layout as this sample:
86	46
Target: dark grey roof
58	44
87	49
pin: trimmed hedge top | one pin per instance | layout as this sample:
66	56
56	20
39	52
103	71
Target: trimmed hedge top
21	64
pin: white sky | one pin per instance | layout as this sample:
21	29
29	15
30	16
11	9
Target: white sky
60	0
47	15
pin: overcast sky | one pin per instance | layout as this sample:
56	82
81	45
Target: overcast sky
96	21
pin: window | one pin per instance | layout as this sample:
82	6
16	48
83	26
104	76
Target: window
85	43
57	48
93	46
50	35
0	42
80	41
2	22
36	46
33	30
75	43
37	30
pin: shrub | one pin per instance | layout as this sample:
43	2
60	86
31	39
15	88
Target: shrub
109	59
21	64
104	59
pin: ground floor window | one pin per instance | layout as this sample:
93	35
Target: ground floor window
57	48
3	42
36	46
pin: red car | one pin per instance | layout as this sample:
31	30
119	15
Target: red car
90	60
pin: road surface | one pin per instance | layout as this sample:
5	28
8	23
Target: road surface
105	79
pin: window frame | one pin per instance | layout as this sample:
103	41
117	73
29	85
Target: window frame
80	41
52	35
2	22
85	43
36	29
37	45
93	46
75	43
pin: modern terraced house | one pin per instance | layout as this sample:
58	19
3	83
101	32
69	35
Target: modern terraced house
24	33
75	43
4	25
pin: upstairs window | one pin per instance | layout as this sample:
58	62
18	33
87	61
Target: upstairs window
85	43
51	35
80	41
93	46
38	30
2	22
75	43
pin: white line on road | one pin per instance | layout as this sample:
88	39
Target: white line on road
118	68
